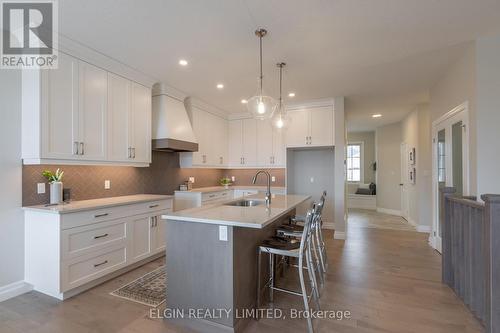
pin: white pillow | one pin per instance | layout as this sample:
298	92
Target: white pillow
365	186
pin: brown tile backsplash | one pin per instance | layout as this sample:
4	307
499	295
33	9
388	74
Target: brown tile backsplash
162	177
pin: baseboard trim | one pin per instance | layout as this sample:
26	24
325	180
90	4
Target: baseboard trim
14	289
424	228
389	211
329	225
339	235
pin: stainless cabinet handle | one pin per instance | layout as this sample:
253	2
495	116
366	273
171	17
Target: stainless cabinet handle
101	263
133	150
129	152
211	195
243	160
156	221
221	160
101	236
75	148
82	150
153	206
101	215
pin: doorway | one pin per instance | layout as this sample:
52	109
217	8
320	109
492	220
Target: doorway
450	161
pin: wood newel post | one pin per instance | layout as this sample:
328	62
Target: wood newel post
491	244
445	221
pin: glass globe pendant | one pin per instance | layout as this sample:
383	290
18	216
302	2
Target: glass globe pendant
281	120
261	106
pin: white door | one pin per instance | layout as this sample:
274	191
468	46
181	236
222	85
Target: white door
141	231
249	142
92	112
298	130
141	123
405	205
321	126
264	143
235	137
450	161
60	110
119	100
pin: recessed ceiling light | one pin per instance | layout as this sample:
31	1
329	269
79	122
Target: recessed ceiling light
378	115
292	94
220	86
183	62
244	101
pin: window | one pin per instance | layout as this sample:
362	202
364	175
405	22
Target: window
354	162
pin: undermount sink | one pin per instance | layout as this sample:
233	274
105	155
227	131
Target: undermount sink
245	203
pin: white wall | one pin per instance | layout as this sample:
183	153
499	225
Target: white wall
416	132
388	151
488	114
11	217
456	86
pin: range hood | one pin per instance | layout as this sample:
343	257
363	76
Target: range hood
172	130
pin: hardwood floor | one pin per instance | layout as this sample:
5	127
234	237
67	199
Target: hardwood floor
389	280
372	219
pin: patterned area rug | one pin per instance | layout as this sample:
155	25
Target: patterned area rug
149	289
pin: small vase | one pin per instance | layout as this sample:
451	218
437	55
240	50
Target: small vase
56	192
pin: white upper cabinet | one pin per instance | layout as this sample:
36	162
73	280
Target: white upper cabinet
249	142
211	133
140	124
82	114
271	148
58	100
235	138
243	143
92	112
119	105
312	127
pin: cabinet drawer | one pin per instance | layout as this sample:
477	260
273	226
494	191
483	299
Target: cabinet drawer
81	240
211	196
72	220
81	270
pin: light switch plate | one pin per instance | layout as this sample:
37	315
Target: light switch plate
40	188
191	180
223	233
273	179
107	184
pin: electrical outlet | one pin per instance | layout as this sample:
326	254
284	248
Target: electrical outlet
40	188
312	179
273	179
233	178
191	180
107	184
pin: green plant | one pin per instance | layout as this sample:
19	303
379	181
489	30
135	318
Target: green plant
53	177
225	181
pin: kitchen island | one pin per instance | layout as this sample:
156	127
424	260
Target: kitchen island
211	260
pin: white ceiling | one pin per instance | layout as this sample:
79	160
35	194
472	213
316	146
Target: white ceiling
383	55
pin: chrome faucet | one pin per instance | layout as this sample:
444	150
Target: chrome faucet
268	192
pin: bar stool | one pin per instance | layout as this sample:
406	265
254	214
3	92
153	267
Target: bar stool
319	249
291	248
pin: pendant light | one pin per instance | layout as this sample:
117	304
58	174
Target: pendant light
281	120
260	105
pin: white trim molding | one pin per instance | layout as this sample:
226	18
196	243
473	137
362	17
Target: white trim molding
388	211
329	225
14	289
424	228
339	235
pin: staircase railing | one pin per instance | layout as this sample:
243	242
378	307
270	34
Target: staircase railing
471	253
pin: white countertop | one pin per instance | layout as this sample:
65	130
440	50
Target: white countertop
248	217
82	205
222	188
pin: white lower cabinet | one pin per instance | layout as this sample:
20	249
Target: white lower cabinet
66	253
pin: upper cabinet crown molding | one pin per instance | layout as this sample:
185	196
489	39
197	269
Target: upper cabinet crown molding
195	102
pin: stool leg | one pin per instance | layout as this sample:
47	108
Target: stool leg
312	276
304	294
271	281
316	262
323	246
259	261
320	248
